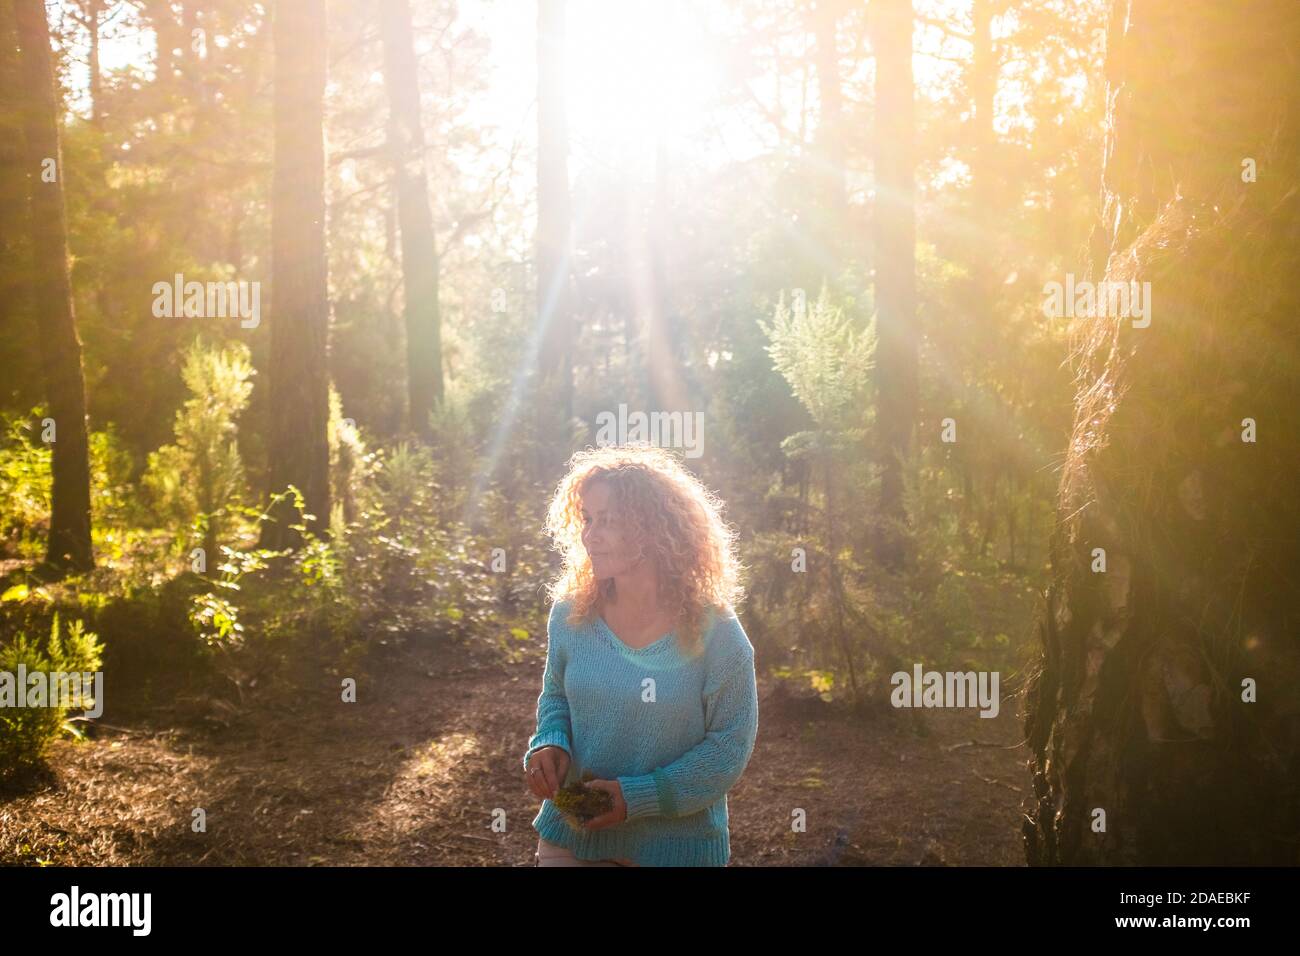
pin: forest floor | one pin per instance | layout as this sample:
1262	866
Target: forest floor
412	773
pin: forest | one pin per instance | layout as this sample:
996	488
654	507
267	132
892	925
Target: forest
973	313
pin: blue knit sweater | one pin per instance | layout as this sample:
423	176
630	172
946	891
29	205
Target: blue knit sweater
674	729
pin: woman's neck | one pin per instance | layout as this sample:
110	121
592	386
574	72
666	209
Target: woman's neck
636	596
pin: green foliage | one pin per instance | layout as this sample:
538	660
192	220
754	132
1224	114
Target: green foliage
825	359
27	732
456	435
214	614
196	479
325	607
24	475
407	480
148	629
25	480
113	503
351	465
410	557
166	181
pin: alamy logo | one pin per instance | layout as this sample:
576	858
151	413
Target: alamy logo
72	690
1092	300
103	909
665	429
951	689
212	300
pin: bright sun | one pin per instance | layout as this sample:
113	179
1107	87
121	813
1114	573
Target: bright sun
638	69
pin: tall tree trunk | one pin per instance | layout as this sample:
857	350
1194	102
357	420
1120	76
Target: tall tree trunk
14	298
199	66
419	248
69	542
94	8
170	39
984	258
828	150
299	379
982	85
895	266
664	348
555	321
982	230
1143	707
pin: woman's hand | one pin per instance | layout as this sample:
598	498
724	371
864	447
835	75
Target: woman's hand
613	817
547	769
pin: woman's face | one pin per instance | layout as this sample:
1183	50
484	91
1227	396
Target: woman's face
603	536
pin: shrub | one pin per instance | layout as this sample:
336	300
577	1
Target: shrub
25	479
27	732
198	478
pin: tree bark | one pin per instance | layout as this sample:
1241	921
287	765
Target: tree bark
996	462
1140	705
169	37
16	330
415	217
69	544
982	85
94	9
895	266
829	147
982	232
555	322
298	450
664	345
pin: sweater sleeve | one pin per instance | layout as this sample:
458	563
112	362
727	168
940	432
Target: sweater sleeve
702	775
553	727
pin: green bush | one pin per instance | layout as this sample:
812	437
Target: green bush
24	476
196	480
147	629
27	732
25	480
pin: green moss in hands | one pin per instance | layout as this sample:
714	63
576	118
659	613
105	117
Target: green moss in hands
579	803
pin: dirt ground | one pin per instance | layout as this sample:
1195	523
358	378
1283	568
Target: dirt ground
413	772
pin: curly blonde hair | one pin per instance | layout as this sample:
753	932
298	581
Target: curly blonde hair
677	520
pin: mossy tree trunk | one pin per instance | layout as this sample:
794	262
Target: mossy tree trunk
1141	707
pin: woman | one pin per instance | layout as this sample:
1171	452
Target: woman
649	678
